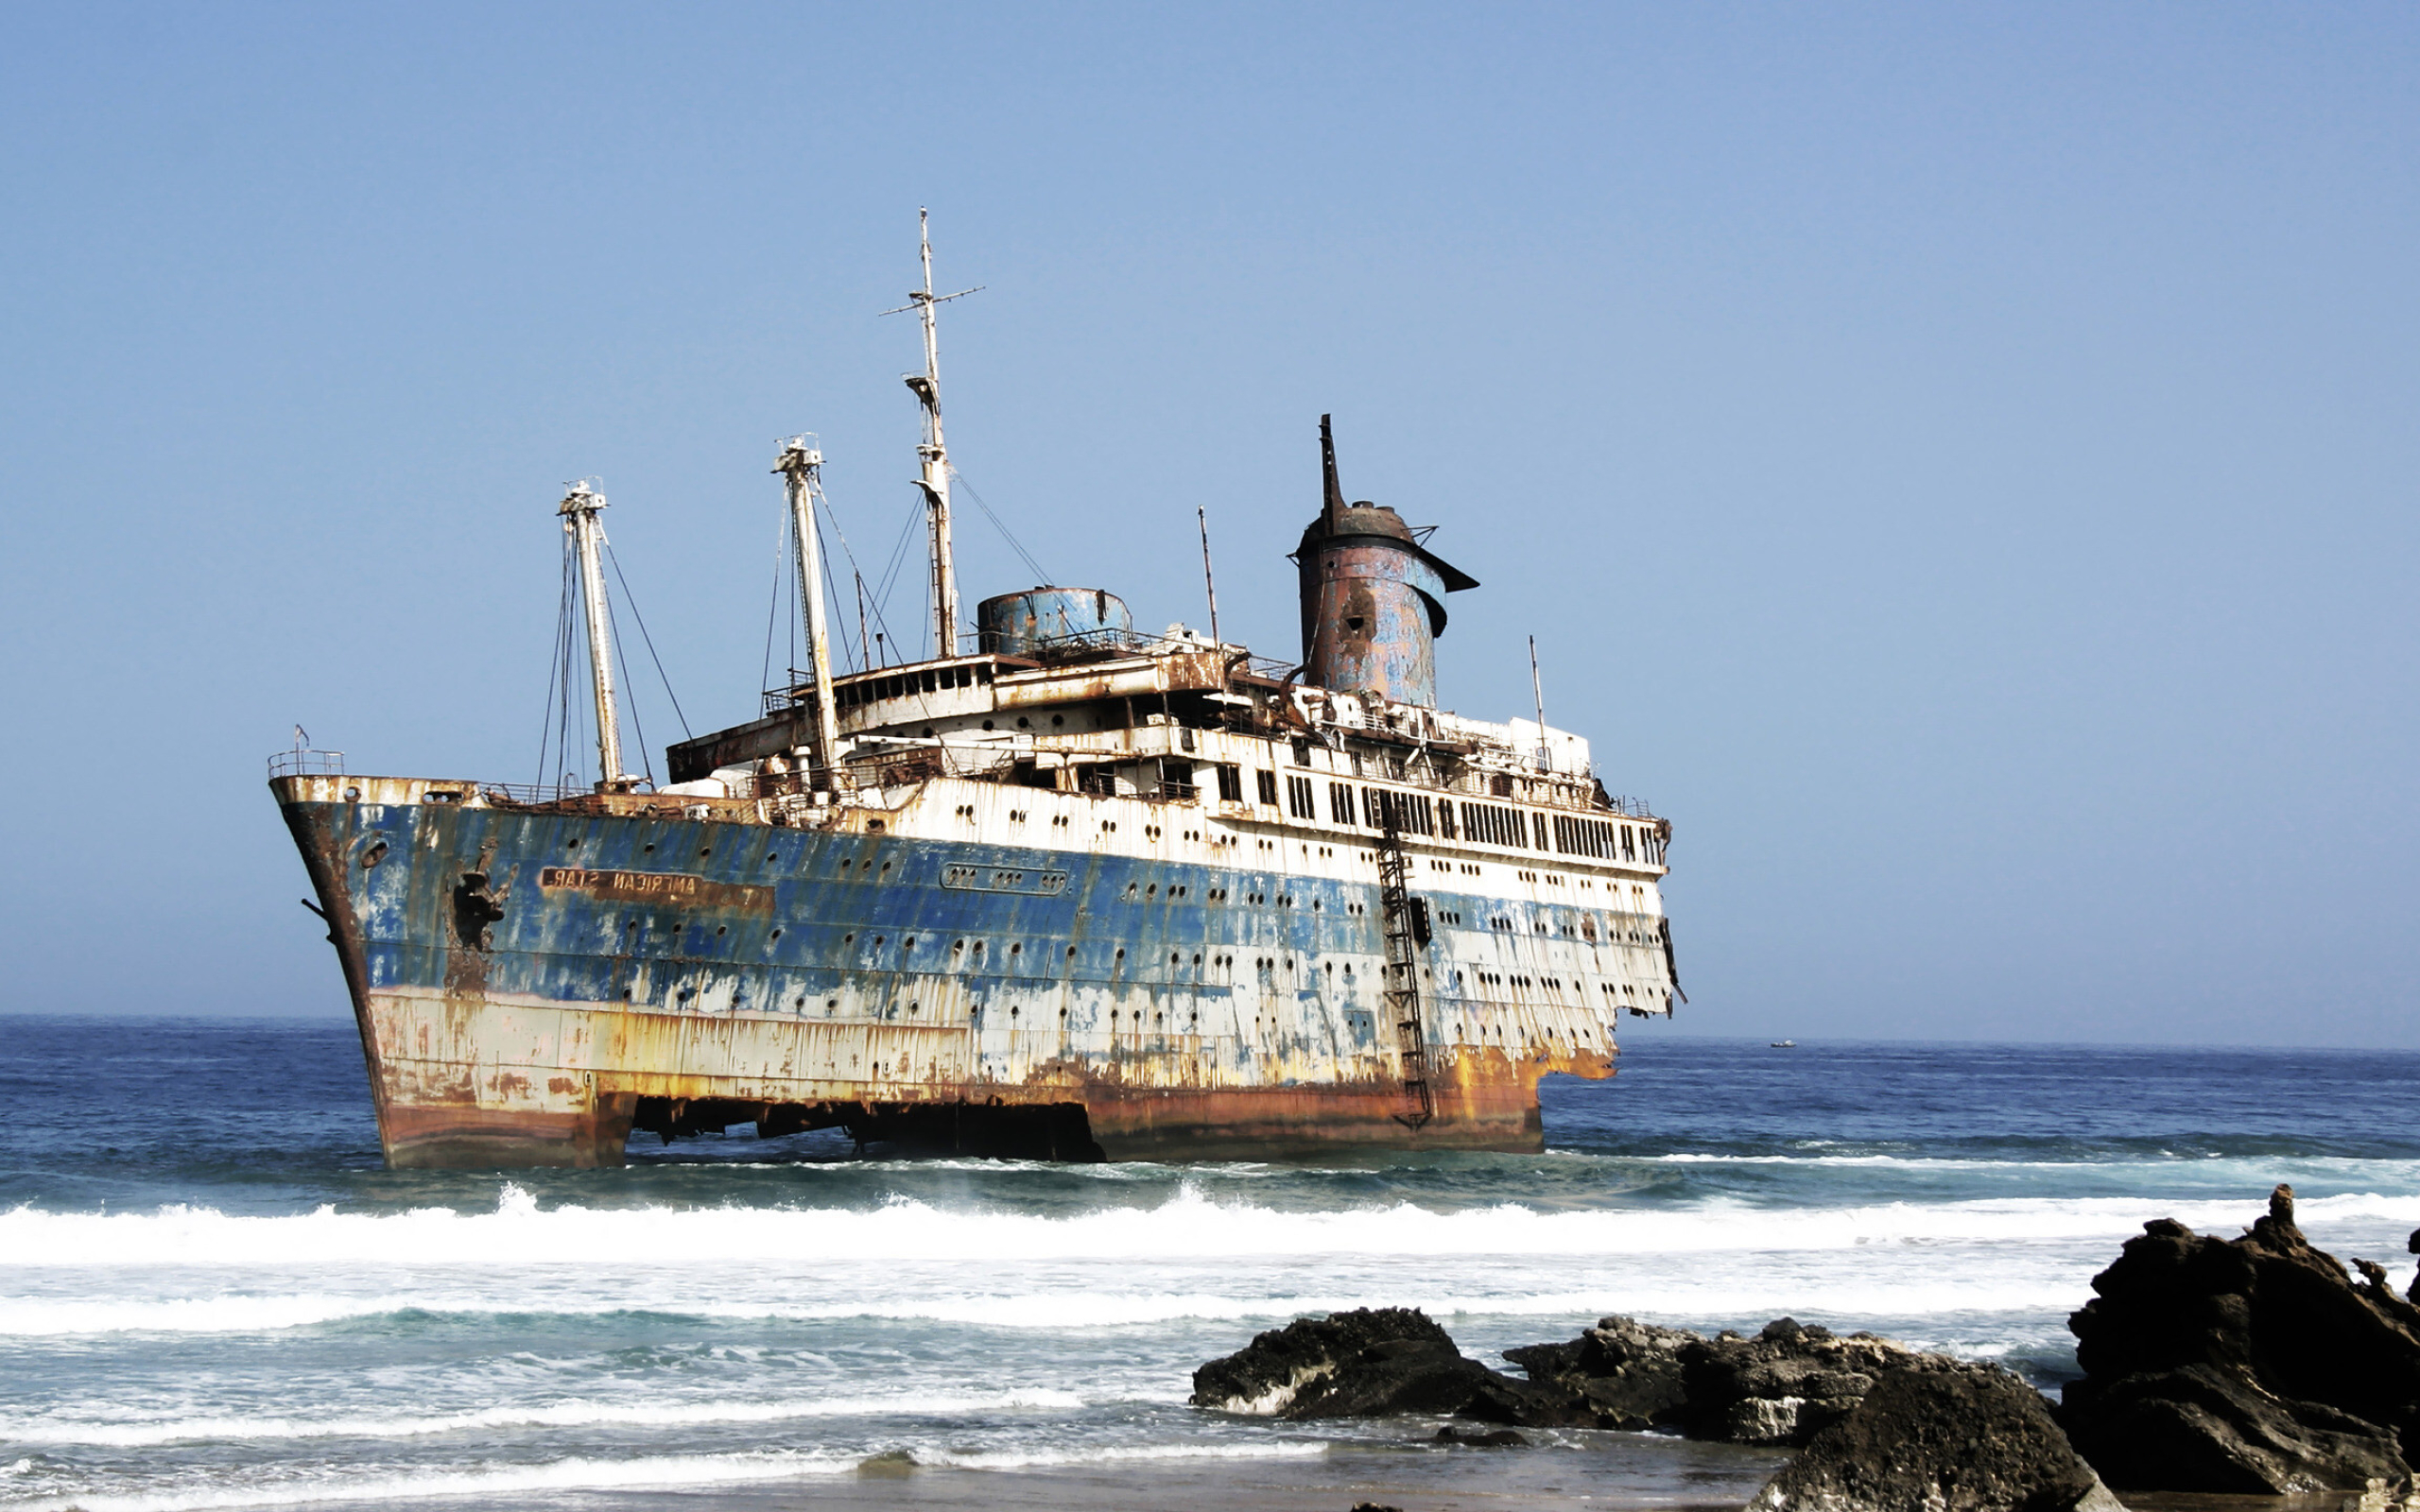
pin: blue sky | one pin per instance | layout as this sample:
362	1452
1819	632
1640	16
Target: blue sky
1958	462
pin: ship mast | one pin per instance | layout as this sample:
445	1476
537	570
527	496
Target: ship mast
579	508
801	465
934	479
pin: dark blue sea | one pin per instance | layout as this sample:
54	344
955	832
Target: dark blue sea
213	1294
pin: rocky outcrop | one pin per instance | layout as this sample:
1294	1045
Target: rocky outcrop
2253	1365
1940	1436
1627	1372
1784	1385
1779	1387
1368	1363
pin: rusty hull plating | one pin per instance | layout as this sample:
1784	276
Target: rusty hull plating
517	1011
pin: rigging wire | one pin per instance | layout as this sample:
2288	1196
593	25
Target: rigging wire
831	594
773	610
562	745
1040	577
554	668
898	553
649	642
622	654
864	651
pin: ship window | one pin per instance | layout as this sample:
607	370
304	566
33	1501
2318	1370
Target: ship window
1267	784
1340	803
1301	751
1231	783
1299	800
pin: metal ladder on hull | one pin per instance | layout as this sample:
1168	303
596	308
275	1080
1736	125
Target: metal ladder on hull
1405	922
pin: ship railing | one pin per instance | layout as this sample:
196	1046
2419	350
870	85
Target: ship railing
301	762
916	764
1085	643
536	792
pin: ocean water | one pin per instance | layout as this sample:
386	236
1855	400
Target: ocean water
213	1294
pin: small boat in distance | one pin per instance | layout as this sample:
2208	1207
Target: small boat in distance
1785	1044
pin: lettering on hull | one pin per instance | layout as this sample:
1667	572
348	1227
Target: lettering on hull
657	887
1005	879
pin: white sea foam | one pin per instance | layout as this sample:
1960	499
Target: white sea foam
518	1232
582	1474
66	1429
2201	1166
189	1270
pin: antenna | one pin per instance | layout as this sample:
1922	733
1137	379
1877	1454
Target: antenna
865	647
1538	689
934	478
1202	513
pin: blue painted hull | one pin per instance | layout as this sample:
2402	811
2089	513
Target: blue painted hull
534	982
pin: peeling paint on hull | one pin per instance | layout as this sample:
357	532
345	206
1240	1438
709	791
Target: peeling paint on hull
531	984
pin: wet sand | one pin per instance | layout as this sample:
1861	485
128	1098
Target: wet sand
1569	1469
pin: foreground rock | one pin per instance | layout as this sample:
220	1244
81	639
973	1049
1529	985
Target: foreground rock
1370	1362
1780	1388
2251	1365
1628	1373
1939	1436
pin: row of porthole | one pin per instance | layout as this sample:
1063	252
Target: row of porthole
1583	1032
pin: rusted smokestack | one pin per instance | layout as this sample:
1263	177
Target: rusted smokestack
1374	598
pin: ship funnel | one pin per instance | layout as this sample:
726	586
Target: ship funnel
1373	598
1048	622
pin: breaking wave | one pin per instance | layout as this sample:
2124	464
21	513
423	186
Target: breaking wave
547	1415
519	1232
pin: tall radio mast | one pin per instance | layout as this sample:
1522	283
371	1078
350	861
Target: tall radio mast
934	478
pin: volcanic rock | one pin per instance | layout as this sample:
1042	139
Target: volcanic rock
1940	1436
1784	1385
1628	1373
1495	1439
1368	1362
1779	1387
2252	1365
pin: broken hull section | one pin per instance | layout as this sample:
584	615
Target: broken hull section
532	984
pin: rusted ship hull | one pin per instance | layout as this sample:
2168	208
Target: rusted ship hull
535	982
